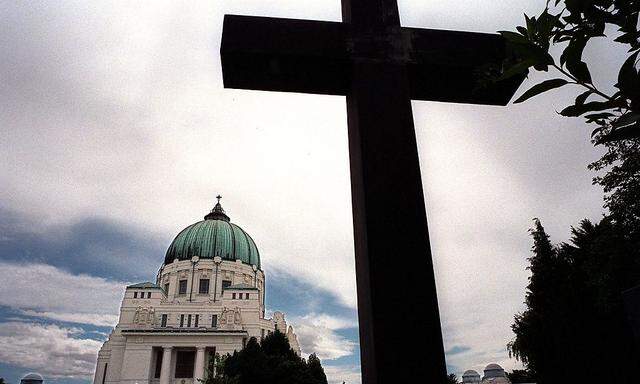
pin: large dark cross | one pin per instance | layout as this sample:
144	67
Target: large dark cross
380	67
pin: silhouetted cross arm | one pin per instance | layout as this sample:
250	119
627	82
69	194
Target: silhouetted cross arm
306	56
380	67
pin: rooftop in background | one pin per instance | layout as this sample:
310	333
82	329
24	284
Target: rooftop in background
241	286
146	284
32	378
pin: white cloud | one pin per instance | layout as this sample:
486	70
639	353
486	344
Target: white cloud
45	291
100	320
317	334
48	349
337	374
327	321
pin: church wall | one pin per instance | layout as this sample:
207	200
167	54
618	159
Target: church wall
136	365
237	272
116	346
131	304
130	355
100	371
172	279
226	343
104	355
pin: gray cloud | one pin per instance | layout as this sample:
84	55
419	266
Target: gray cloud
95	246
60	295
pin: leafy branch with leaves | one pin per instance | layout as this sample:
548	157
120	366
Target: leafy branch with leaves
573	23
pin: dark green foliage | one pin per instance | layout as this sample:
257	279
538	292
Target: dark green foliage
315	369
2	380
216	365
209	376
574	324
276	344
573	23
271	362
249	365
574	327
621	184
452	379
540	88
518	376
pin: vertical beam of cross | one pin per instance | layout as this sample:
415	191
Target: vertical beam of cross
363	14
379	66
393	256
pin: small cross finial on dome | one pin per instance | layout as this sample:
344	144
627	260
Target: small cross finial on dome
217	213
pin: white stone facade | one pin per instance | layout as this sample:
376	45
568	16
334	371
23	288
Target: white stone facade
168	330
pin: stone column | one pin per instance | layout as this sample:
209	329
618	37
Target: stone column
165	369
198	370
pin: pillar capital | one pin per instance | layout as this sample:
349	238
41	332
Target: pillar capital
169	347
200	347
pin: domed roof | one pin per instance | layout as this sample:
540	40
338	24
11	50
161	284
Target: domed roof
214	236
493	370
32	377
470	377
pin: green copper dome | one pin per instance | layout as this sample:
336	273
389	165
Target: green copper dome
211	237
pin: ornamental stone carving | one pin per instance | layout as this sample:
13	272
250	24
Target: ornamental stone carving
237	317
223	317
230	319
144	316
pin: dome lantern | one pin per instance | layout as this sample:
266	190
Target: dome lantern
217	213
215	236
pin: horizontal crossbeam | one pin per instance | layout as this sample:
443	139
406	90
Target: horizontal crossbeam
288	55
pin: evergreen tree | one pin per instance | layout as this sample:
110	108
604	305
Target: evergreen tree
574	323
276	344
249	365
214	373
533	344
452	379
270	362
209	372
315	369
518	376
621	184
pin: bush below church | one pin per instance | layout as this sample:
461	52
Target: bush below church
269	362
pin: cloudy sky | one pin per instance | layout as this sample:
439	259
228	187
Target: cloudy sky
115	133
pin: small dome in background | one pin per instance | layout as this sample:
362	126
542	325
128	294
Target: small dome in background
493	370
470	377
32	378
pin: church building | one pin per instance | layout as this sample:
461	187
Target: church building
208	298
